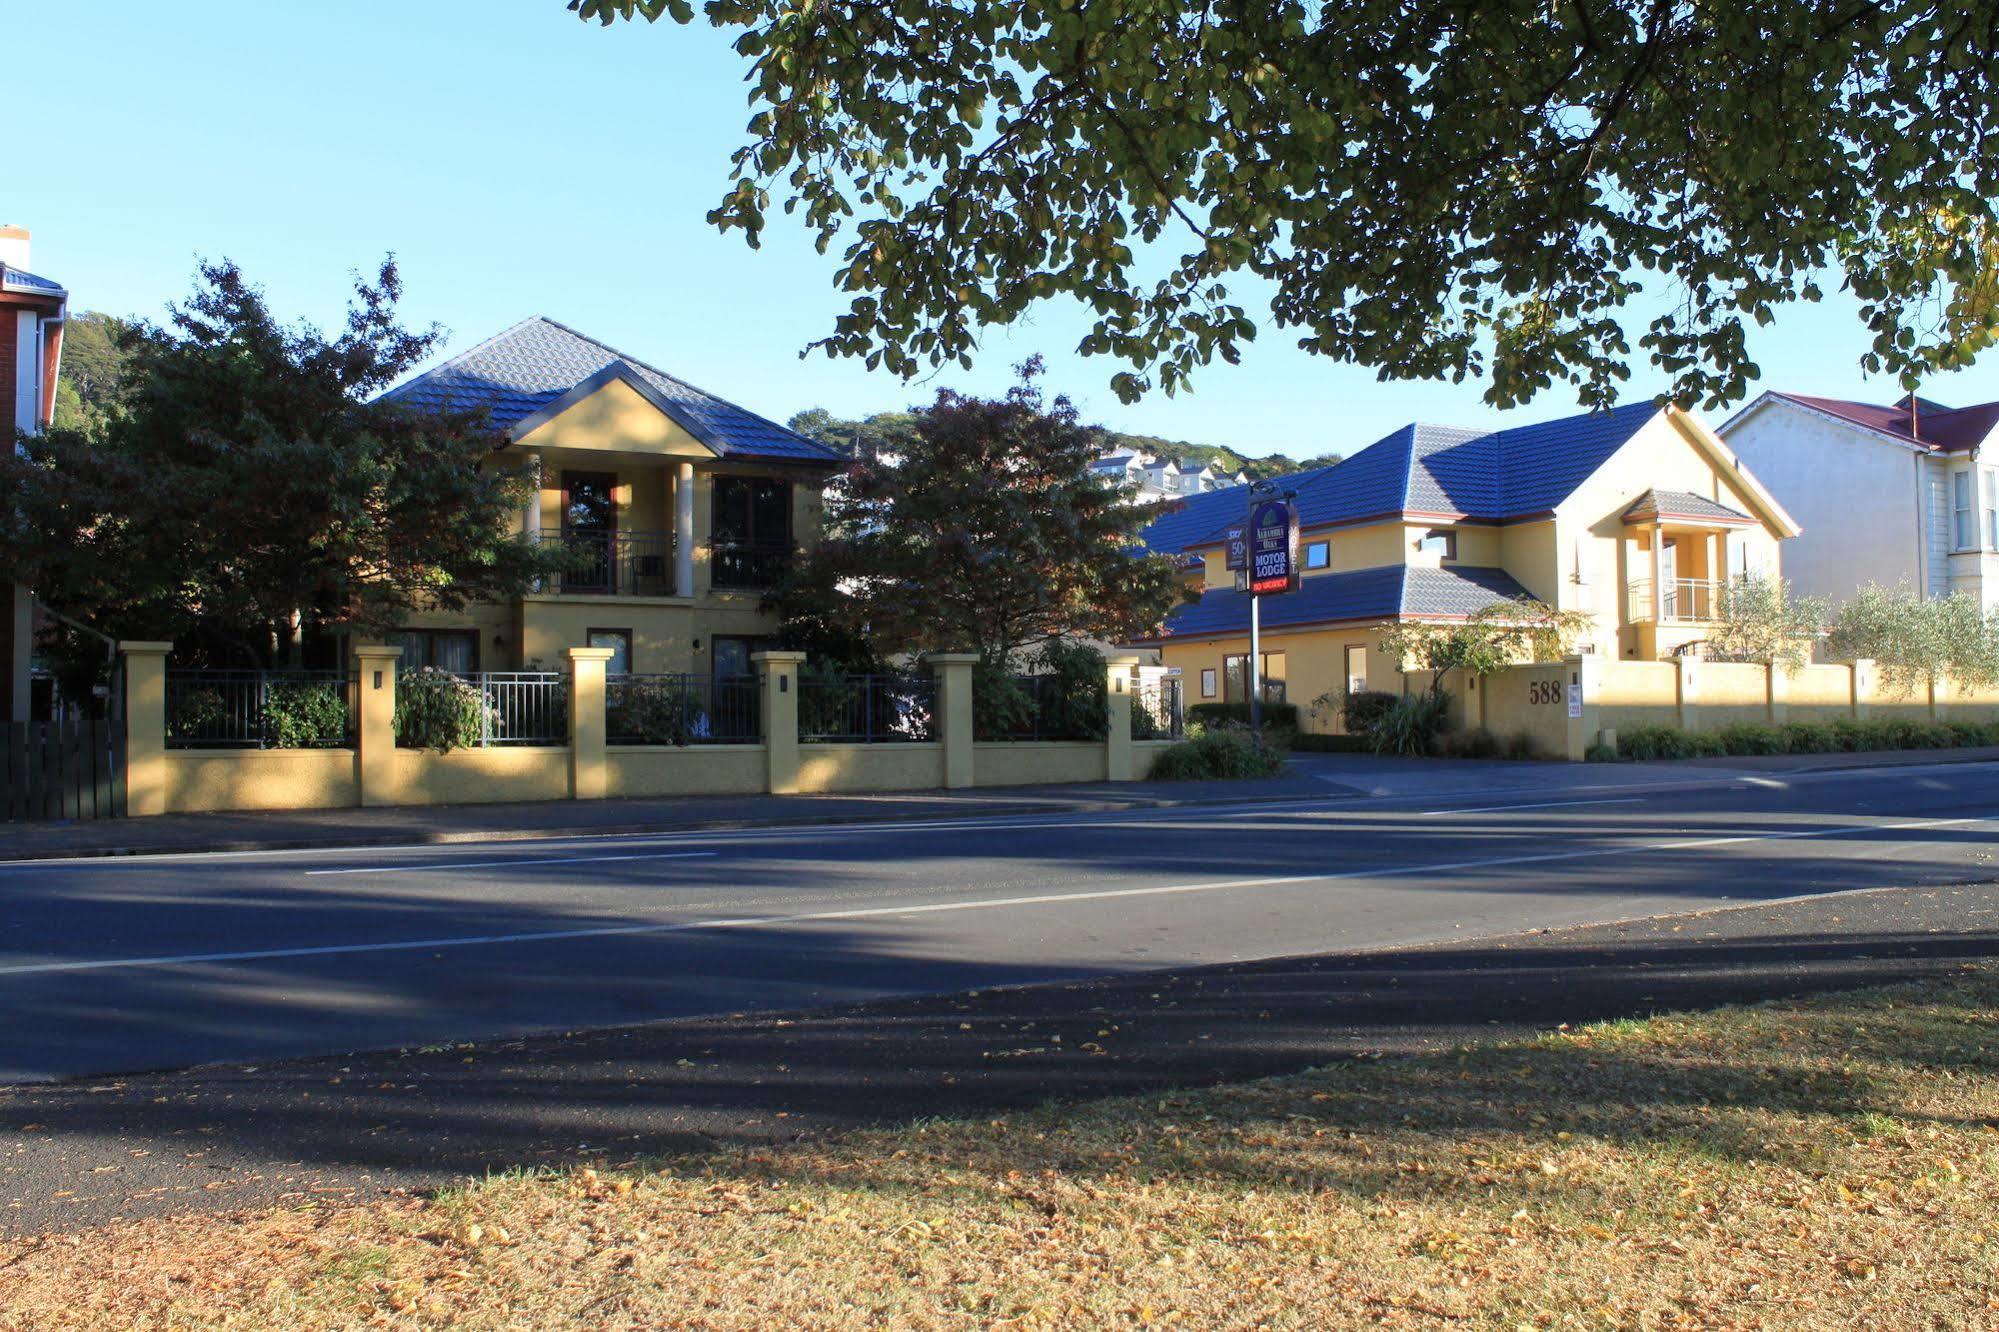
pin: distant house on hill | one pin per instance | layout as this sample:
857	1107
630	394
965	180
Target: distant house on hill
1162	478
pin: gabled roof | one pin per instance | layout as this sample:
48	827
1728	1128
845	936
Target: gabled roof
22	281
1656	505
1930	426
519	375
1384	592
1189	522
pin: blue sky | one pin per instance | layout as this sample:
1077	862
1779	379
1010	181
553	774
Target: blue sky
520	162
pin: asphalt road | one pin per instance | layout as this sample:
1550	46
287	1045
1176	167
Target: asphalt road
163	962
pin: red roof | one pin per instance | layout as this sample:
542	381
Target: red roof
1918	421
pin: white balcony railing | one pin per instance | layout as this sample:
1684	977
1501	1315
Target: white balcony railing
1681	600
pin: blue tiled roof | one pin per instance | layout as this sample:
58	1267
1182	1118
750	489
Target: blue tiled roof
1188	522
18	279
1380	593
532	365
1487	476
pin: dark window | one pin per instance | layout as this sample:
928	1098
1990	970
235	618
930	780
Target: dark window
1235	678
732	655
1441	542
589	502
620	643
453	650
751	531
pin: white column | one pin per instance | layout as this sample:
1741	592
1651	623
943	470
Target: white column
27	372
683	530
1658	575
531	515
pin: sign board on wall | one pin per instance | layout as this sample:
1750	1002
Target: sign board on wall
1273	547
1237	548
1575	700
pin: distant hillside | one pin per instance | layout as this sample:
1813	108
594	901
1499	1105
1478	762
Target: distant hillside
882	428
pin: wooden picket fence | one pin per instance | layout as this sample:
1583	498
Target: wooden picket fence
63	770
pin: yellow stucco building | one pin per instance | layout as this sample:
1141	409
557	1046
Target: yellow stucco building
1637	516
682	508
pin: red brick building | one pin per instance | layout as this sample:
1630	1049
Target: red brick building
31	324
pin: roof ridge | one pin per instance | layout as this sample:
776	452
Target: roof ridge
456	357
669	375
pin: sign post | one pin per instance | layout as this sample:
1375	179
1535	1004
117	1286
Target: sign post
1273	568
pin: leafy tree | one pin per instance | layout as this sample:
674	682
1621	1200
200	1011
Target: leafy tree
884	432
1432	188
95	352
983	532
1492	638
1918	641
246	490
1759	620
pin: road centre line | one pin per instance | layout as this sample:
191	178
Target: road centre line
1543	804
936	908
511	864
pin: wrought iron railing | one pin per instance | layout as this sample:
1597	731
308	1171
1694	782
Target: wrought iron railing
866	709
1155	710
682	709
750	564
523	707
631	564
1681	600
247	709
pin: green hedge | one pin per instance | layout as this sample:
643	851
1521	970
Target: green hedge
1282	715
1217	754
1802	737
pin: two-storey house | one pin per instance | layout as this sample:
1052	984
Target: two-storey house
1906	493
683	509
1637	516
32	310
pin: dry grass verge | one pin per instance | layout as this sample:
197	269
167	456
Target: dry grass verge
1831	1164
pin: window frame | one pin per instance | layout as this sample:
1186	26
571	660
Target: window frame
1448	536
591	635
1208	682
1963	510
429	637
1318	555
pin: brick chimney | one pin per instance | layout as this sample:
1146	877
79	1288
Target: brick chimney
14	246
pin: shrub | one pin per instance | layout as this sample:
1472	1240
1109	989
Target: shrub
1810	738
304	713
1313	742
1274	714
435	710
1476	743
193	711
1216	754
1600	753
1411	727
656	712
1360	711
1522	745
1753	738
1645	743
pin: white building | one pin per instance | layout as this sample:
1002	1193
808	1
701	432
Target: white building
1903	493
31	323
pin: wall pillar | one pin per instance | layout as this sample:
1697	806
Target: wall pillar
589	774
779	673
145	726
954	715
1863	687
1779	694
1119	764
683	530
531	512
1583	671
1686	691
375	723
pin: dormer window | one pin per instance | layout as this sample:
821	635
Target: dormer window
1441	542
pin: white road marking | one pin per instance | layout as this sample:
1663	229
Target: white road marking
510	864
1542	804
938	908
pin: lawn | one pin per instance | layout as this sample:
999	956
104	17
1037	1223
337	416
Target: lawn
1827	1164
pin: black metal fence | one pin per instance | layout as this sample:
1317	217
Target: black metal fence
750	564
866	709
523	707
239	709
682	709
1041	707
1155	710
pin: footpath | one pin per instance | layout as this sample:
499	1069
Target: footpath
1306	777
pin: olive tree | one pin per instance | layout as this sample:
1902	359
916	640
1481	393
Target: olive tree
1758	619
1918	642
1505	633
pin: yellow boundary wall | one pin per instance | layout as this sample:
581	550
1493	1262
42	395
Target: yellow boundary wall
374	772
